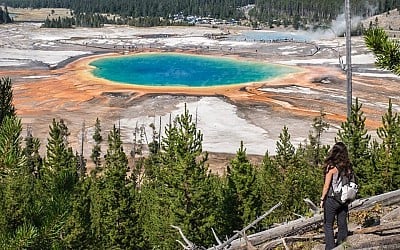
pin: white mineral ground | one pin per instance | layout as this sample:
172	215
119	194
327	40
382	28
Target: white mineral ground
52	79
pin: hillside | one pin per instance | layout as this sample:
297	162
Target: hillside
389	21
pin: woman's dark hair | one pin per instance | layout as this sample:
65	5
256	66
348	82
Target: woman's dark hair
338	157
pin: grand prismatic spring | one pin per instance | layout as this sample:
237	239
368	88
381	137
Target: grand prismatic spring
173	69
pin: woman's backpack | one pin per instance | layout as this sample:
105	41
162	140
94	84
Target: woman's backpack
346	189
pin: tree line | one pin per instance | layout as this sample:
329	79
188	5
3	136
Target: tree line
4	16
80	20
300	14
98	21
130	201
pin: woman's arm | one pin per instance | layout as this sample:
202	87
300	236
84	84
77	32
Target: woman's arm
327	183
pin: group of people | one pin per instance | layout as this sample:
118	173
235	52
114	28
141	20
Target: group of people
337	164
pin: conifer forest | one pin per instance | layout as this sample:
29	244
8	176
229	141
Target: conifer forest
50	199
155	12
131	201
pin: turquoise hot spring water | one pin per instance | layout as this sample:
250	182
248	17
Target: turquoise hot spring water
174	69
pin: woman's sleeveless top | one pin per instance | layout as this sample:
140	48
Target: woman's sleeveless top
335	183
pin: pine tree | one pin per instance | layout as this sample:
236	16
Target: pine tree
387	51
114	208
4	16
184	192
31	151
12	159
98	139
6	99
314	150
390	130
389	162
354	134
270	185
60	164
11	153
58	181
77	230
241	178
17	190
285	150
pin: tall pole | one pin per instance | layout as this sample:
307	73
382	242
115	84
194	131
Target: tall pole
348	58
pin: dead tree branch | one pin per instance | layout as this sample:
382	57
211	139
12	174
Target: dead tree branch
380	229
223	245
241	232
302	224
274	243
189	245
380	242
392	215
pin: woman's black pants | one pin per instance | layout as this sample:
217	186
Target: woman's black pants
333	209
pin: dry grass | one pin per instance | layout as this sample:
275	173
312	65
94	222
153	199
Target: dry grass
37	15
389	21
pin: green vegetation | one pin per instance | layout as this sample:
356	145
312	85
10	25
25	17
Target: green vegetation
386	50
270	13
48	202
4	16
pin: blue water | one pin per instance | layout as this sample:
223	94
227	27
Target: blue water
172	69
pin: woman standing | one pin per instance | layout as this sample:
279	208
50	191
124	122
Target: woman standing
337	164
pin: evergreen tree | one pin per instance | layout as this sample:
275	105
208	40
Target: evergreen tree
270	185
59	179
183	181
98	139
80	165
11	153
242	188
389	163
387	51
60	164
285	151
151	162
301	181
77	230
315	151
390	130
113	208
17	190
12	163
4	16
354	134
31	151
6	99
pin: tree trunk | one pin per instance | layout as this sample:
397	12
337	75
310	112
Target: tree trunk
307	224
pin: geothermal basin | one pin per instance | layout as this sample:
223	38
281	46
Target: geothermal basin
177	69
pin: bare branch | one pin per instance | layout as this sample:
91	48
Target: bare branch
216	237
284	244
235	236
183	245
380	229
274	243
189	244
314	208
306	224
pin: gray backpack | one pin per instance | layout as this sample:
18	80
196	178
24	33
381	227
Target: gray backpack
346	189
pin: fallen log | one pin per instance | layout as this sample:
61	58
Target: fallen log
188	245
392	215
385	199
243	231
378	243
380	229
274	243
304	224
